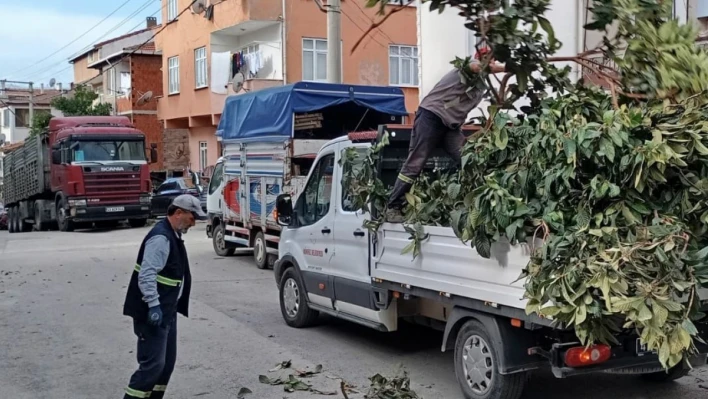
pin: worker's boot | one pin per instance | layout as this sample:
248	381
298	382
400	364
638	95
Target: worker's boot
394	215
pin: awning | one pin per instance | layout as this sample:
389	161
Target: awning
268	113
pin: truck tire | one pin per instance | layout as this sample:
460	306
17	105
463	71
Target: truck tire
293	301
64	223
673	374
221	247
137	223
38	225
260	252
477	366
11	227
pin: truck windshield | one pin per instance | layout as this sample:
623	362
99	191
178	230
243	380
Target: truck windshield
109	150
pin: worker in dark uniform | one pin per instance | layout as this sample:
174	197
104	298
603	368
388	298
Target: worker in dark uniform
438	121
159	289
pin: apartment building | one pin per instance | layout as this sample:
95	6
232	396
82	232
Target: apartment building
15	111
283	42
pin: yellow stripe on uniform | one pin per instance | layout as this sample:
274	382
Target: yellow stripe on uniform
160	388
162	280
405	178
137	394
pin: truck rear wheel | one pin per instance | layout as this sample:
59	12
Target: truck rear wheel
63	218
477	366
293	301
11	225
221	247
260	252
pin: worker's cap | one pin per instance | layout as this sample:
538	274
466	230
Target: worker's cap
190	203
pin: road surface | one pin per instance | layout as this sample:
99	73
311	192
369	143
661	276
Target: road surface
62	334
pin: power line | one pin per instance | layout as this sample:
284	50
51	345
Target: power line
70	66
75	40
117	26
372	21
139	47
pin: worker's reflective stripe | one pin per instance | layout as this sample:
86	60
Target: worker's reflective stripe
162	280
405	179
137	394
160	388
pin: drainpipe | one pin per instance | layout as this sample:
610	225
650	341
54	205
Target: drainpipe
283	46
580	34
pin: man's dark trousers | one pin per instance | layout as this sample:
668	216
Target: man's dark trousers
428	133
157	352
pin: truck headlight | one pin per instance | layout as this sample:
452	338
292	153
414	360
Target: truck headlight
145	199
81	202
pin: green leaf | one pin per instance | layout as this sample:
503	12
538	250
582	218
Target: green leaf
502	139
580	314
482	244
644	313
453	190
546	26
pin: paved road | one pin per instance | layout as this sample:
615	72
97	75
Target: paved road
62	334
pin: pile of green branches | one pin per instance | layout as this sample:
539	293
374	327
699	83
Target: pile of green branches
615	182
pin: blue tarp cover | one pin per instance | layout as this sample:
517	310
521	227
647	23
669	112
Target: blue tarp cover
268	114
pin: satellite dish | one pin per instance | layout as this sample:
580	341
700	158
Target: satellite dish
147	96
237	82
198	6
52	82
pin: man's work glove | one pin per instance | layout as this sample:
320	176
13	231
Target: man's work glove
155	316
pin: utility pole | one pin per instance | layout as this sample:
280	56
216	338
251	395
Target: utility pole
31	104
334	41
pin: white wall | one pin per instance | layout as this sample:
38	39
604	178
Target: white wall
269	41
442	37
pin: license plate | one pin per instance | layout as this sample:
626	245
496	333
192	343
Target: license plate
642	349
115	209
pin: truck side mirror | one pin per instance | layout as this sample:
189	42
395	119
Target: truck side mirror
153	153
284	207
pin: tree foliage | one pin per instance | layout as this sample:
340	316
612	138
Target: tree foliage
79	104
614	183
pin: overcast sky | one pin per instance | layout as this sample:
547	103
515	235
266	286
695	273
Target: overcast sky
32	30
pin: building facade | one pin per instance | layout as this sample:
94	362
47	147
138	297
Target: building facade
15	120
282	42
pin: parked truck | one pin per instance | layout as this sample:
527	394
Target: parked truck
330	264
81	170
270	139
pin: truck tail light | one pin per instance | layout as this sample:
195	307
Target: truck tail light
581	356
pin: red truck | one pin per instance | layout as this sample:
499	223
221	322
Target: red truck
83	170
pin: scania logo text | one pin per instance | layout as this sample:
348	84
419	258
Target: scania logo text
112	169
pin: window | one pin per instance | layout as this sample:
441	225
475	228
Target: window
200	68
173	75
403	65
347	205
216	178
6	118
171	10
314	59
202	155
22	117
318	192
125	82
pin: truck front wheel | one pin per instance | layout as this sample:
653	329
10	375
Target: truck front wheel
63	218
260	251
477	366
293	301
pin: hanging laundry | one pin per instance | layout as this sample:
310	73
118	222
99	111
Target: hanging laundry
220	65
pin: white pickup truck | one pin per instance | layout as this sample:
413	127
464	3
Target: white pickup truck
329	264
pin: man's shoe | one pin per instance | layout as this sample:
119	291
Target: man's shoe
394	216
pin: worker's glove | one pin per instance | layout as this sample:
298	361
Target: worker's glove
155	316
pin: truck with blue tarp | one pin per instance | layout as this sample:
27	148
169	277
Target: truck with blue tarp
270	139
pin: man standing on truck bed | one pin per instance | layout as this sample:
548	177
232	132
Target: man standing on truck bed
438	120
159	289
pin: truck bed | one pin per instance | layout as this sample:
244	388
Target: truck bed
449	266
26	171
